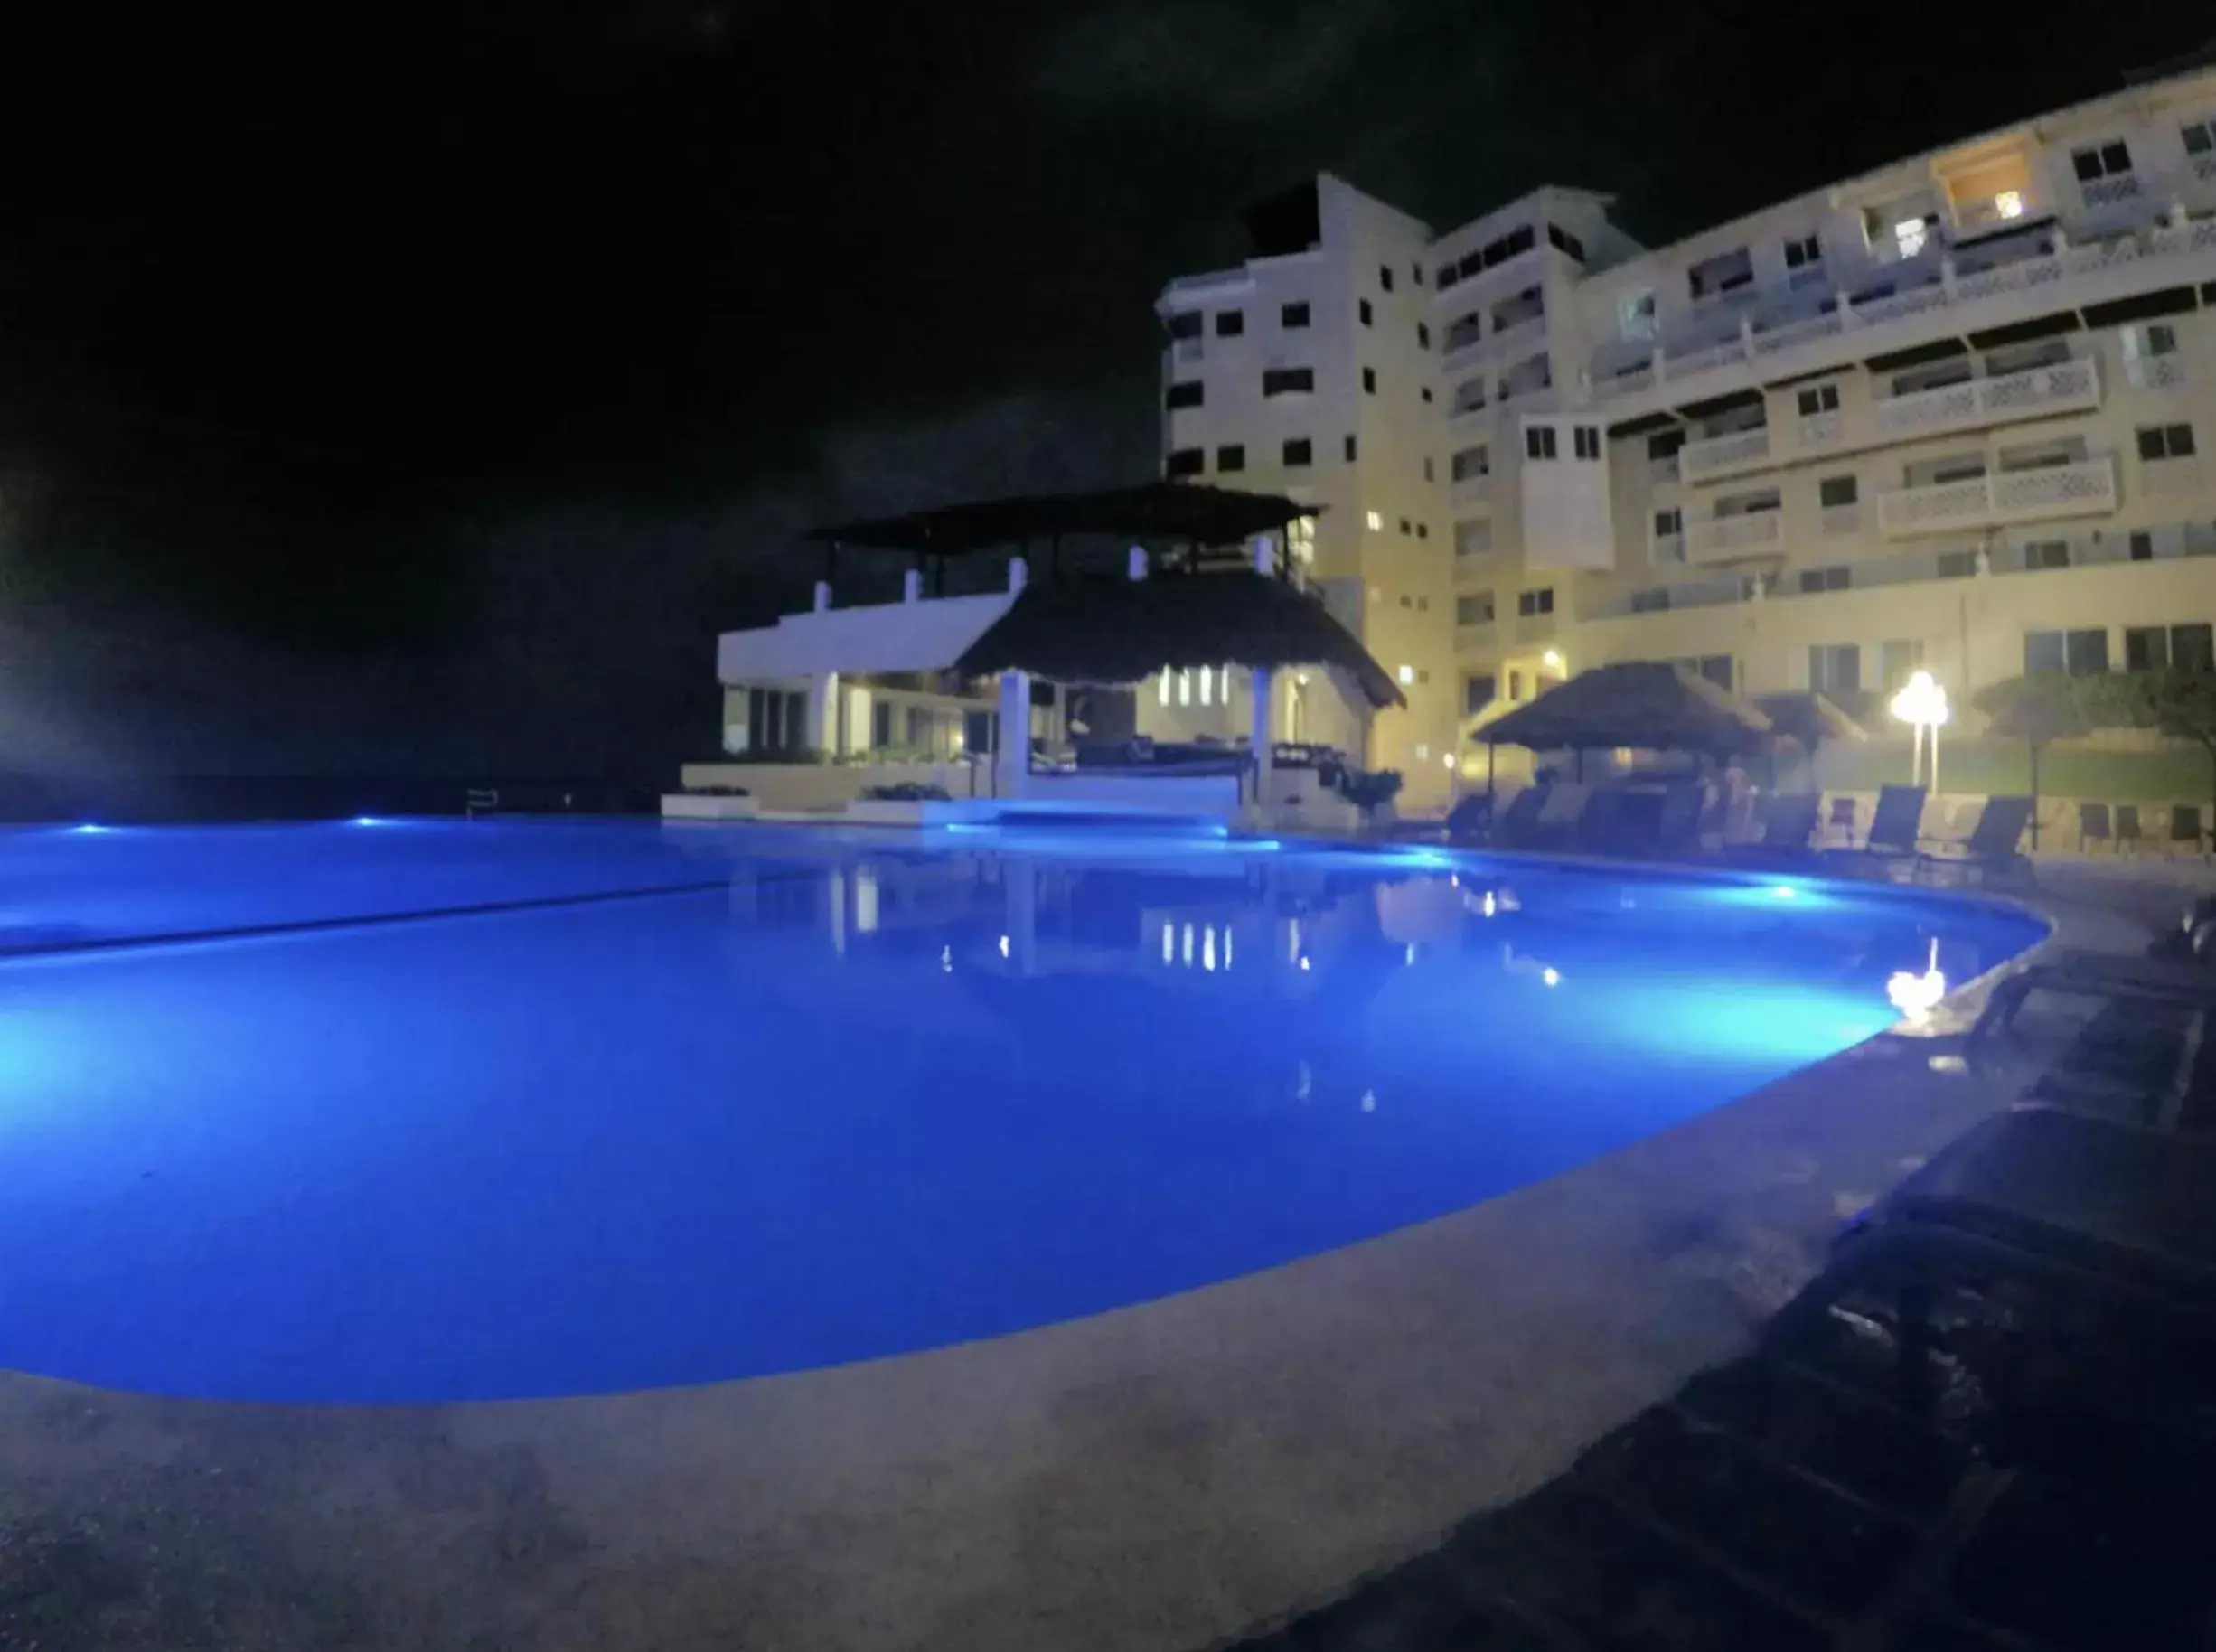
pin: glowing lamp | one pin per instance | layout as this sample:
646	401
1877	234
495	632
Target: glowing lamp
1922	704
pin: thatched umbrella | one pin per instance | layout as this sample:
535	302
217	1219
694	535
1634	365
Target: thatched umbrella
1119	630
1649	705
1807	720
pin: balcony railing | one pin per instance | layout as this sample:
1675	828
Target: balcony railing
1483	636
1724	539
1666	549
2168	372
2085	489
1470	489
1784	320
1822	429
2064	387
1190	350
2108	192
1535	628
1736	451
1842	521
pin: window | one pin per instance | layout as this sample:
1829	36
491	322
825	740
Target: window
2046	553
1558	237
1635	315
2146	647
1838	576
1362	309
1427	394
1230	456
2142	546
2185	648
1957	563
1471	462
1539	442
1369	380
1670	520
1909	235
1423	336
1479	692
1186	395
1292	316
2200	136
1385	276
1288	380
1427	468
1588	441
1416	274
1424	605
1185	324
1665	446
1230	323
1469	395
1711	668
881	725
2110	160
1185	462
2192	648
1816	399
1300	539
1723	273
1836	668
1298	452
1374	521
1897	661
1531	604
2165	442
1803	250
1423	530
2154	338
1837	490
1350	448
2081	654
1408	529
1654	599
1474	538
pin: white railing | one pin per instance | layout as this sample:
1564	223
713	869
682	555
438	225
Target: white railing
1470	489
1733	451
2108	192
1537	628
2157	372
2204	167
1718	539
1480	635
1822	429
2157	246
1840	521
1188	351
1530	327
1666	549
2084	488
1663	470
2064	387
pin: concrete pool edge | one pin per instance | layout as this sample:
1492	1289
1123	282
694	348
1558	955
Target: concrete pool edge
1162	1476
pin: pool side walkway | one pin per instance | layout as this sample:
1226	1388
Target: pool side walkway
1158	1479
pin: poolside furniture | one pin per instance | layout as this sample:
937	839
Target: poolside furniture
1559	817
2185	827
1516	825
1679	827
2102	1210
1895	824
2128	827
1992	845
2083	974
2093	827
1842	818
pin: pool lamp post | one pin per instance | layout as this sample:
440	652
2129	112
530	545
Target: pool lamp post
1922	704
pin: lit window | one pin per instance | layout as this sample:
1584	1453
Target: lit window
1300	537
1185	687
1909	235
1375	520
1407	675
2009	203
1208	685
1161	686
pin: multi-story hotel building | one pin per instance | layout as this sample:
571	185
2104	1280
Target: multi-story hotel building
1956	412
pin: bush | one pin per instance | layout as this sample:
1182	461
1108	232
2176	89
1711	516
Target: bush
906	791
1367	789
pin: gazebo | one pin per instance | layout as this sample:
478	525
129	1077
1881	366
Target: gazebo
1646	705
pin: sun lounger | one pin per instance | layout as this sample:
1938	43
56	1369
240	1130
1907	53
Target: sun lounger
2097	975
1992	846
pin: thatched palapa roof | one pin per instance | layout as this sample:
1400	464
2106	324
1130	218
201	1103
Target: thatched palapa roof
1118	631
1649	705
1808	717
1178	511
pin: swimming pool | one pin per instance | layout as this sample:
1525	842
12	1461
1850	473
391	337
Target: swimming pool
411	1111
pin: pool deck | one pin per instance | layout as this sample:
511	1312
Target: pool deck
1160	1478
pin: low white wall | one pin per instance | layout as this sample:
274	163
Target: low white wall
683	806
1215	796
823	785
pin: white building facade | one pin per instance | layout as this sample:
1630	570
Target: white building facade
1956	413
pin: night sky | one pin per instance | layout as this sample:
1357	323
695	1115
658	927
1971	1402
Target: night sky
421	394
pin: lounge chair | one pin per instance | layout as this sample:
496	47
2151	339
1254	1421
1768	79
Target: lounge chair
1842	818
2185	827
2128	833
1516	826
2093	827
1559	818
2099	1210
1992	845
1893	829
1788	821
2102	975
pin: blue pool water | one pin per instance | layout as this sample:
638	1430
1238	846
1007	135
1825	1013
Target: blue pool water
790	1099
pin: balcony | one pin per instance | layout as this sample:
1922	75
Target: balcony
1808	331
2039	392
1186	351
2168	372
1666	549
1731	539
2085	489
1740	450
1819	431
1537	628
1482	638
1470	489
1841	522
